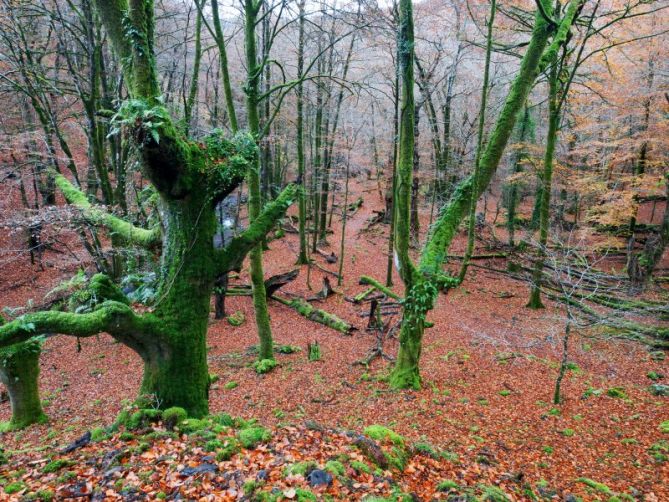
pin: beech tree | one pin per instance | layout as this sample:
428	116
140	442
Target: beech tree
191	178
422	281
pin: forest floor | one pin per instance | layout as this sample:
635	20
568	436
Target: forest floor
488	365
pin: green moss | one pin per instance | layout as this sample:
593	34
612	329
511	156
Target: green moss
15	487
447	485
381	433
44	495
250	486
143	418
66	476
237	318
599	487
192	425
504	392
231	385
99	434
252	436
493	494
230	447
655	376
360	467
425	448
397	458
300	468
161	435
659	451
142	447
286	349
264	366
126	436
224	419
213	445
616	392
173	416
664	427
568	432
335	467
304	495
56	465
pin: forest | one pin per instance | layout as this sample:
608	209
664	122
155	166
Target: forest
274	250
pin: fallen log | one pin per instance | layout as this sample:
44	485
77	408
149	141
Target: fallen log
330	258
317	315
272	285
325	291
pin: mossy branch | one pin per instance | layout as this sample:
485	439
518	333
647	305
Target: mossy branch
232	256
562	33
125	231
112	317
376	284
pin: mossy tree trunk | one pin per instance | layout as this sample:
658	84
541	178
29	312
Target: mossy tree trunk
525	131
302	258
422	282
19	372
546	178
254	69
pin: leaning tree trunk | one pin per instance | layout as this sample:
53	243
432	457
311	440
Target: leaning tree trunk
422	282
